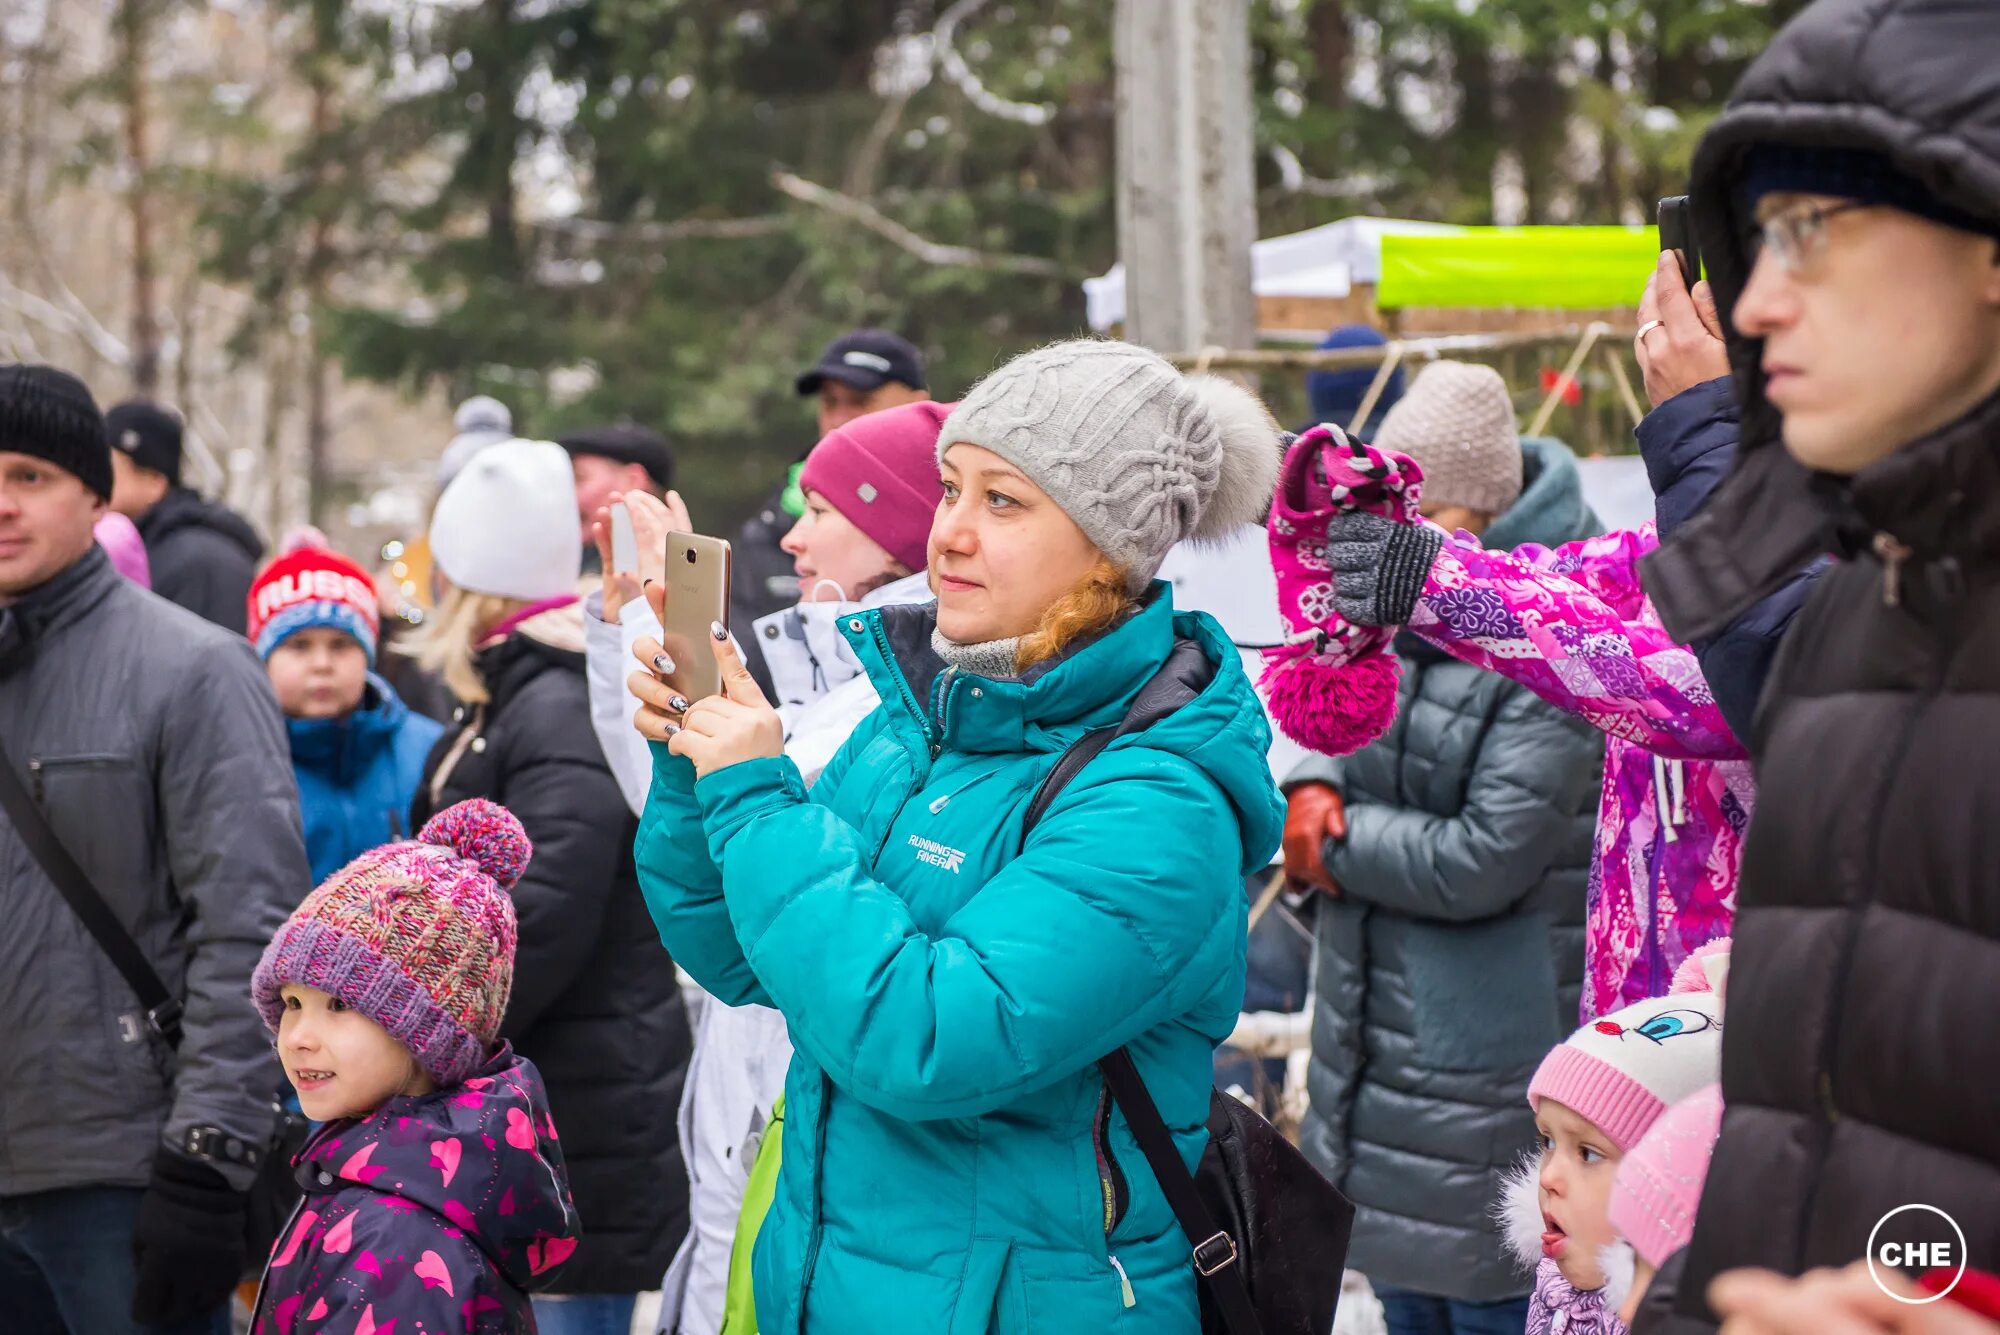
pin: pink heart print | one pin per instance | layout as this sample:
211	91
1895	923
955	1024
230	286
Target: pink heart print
520	1130
461	1217
340	1237
358	1169
1331	684
300	1228
431	1270
546	1253
445	1154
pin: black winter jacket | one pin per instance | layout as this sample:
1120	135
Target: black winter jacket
1859	1058
1452	960
203	557
596	1004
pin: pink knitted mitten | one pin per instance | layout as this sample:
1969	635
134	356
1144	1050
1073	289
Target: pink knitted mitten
1332	684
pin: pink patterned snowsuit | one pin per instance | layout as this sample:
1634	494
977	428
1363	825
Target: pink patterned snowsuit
1572	625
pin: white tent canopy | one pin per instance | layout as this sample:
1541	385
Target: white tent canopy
1324	261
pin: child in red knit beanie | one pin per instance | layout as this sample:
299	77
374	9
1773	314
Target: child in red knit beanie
358	751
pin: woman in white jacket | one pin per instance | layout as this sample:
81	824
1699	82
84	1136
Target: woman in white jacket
871	490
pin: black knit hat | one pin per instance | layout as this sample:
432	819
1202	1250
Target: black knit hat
1859	174
626	444
49	414
147	434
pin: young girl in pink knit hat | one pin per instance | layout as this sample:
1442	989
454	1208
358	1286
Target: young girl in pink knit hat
1595	1096
435	1195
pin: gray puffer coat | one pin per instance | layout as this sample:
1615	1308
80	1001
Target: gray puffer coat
1452	961
154	746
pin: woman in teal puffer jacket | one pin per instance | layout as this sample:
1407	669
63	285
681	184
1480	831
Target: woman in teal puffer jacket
952	1161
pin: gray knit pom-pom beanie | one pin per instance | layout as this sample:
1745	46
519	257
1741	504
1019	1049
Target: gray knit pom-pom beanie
1139	455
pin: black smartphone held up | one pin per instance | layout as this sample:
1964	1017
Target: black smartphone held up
1677	234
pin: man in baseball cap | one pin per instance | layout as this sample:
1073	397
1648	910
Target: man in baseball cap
864	371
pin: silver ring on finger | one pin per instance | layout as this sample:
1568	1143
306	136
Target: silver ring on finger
1646	329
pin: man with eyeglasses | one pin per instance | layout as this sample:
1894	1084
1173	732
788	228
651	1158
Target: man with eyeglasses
1848	201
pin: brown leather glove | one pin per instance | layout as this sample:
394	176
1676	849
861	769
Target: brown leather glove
1314	814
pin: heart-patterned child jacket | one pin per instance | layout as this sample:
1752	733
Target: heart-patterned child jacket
436	1214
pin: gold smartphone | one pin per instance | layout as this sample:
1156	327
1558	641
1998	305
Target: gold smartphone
697	598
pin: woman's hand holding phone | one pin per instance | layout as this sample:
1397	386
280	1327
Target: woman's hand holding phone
726	729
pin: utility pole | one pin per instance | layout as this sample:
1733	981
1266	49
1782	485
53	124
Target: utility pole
1187	205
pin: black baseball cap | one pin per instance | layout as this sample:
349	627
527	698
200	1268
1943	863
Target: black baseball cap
866	359
625	443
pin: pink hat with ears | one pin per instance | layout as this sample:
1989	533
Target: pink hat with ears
1332	684
1658	1186
1622	1070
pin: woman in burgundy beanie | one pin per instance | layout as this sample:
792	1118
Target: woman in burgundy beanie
879	473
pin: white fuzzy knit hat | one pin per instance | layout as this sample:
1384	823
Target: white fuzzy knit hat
506	525
1457	422
1139	455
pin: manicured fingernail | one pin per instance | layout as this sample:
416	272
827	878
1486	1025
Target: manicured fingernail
672	728
718	630
646	584
678	703
663	664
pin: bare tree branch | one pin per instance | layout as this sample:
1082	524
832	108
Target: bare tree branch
866	168
960	73
930	252
655	233
70	317
1292	175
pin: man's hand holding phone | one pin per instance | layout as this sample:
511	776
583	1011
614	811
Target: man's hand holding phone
1680	333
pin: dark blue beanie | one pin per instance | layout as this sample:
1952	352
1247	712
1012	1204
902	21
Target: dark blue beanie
1337	395
1849	173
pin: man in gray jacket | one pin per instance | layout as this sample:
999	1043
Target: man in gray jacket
152	744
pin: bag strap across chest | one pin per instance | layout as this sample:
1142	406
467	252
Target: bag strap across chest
1216	1255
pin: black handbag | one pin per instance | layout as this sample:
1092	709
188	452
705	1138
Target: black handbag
273	1192
1269	1233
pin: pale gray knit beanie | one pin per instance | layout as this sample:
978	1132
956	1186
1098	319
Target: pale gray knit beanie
1457	422
1139	455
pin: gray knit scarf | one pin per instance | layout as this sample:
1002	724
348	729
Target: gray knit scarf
991	659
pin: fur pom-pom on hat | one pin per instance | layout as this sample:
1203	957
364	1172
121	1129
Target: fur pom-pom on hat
1139	455
1707	970
1252	448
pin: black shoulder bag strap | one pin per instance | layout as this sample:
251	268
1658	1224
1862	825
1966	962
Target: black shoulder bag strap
1216	1256
162	1008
